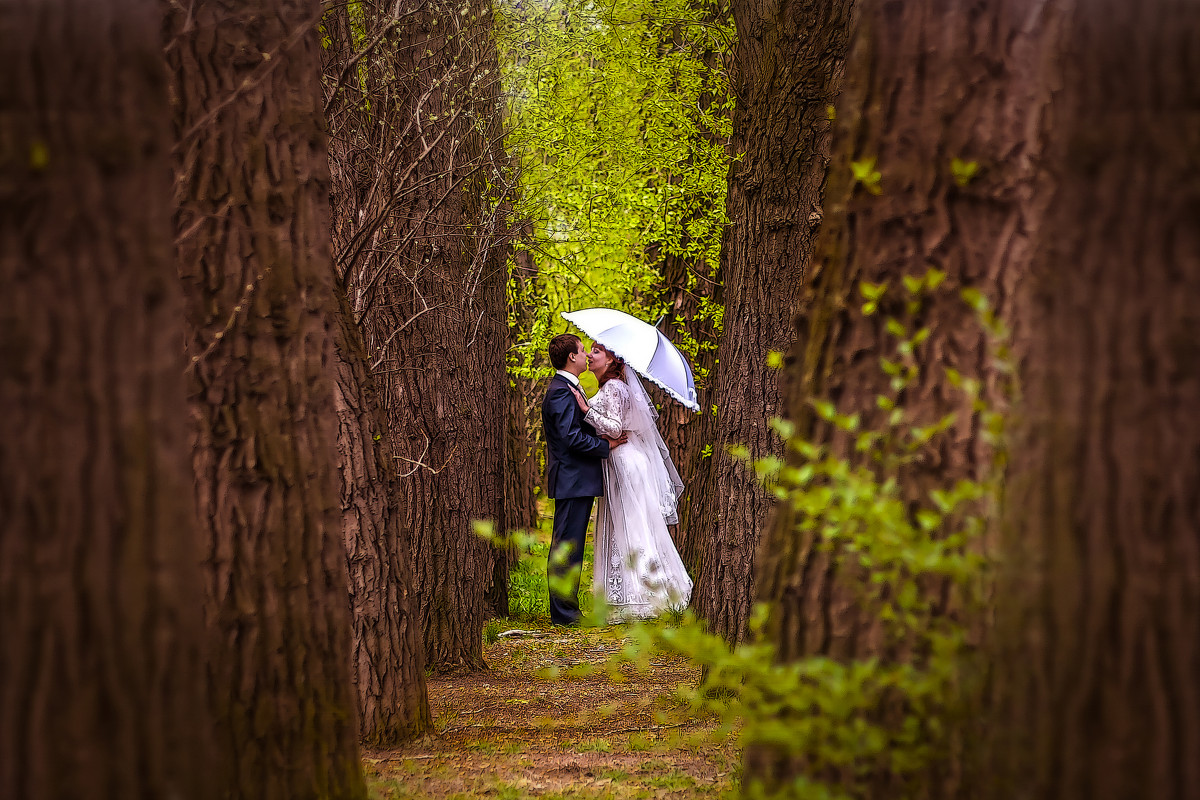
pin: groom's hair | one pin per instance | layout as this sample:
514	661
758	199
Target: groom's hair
561	347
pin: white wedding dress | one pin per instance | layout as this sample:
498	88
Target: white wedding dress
638	571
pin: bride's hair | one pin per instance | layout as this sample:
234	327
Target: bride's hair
615	367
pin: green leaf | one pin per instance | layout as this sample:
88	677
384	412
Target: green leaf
975	299
865	173
964	171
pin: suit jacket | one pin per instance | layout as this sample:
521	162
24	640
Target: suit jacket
573	450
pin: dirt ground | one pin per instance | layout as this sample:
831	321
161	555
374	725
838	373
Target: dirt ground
520	730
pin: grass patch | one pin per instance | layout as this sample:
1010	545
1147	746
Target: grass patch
528	592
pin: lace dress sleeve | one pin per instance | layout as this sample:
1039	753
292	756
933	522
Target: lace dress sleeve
607	411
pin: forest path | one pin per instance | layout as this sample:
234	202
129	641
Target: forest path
515	732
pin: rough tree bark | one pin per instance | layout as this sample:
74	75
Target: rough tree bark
787	67
254	233
425	272
388	654
1099	639
927	83
101	671
387	657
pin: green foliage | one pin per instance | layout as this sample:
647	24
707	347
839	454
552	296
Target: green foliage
963	171
528	586
618	120
866	174
847	723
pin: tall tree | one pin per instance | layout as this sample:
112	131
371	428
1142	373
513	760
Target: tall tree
689	286
388	655
522	462
423	258
253	220
1099	644
928	196
787	67
101	671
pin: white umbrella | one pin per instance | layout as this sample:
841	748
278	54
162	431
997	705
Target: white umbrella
643	347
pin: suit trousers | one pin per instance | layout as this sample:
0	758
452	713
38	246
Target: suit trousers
571	515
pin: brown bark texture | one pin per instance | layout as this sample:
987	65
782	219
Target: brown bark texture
1098	623
927	83
387	656
424	264
253	230
101	670
787	67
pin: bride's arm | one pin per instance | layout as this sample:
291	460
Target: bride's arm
606	414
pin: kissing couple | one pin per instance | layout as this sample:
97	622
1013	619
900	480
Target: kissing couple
608	452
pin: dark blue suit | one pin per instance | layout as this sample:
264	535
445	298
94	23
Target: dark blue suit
574	479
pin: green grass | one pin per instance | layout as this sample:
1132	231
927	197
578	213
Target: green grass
528	594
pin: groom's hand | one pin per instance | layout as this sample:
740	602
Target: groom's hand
620	440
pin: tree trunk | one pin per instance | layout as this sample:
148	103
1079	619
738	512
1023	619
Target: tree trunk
101	670
522	470
690	290
686	433
926	82
787	68
425	270
387	659
1099	639
388	654
253	222
910	122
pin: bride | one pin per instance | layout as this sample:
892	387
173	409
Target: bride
638	571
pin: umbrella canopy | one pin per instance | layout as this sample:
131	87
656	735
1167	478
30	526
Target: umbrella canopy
643	347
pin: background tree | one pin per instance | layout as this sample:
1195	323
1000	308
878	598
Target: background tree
787	67
101	676
422	252
388	654
619	118
1098	650
689	289
253	222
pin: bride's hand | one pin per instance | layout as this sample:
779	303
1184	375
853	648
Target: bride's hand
583	406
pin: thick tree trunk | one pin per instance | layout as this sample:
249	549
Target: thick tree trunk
388	659
1098	625
253	221
388	654
101	669
909	122
926	82
787	68
425	271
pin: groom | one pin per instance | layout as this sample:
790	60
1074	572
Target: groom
574	477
